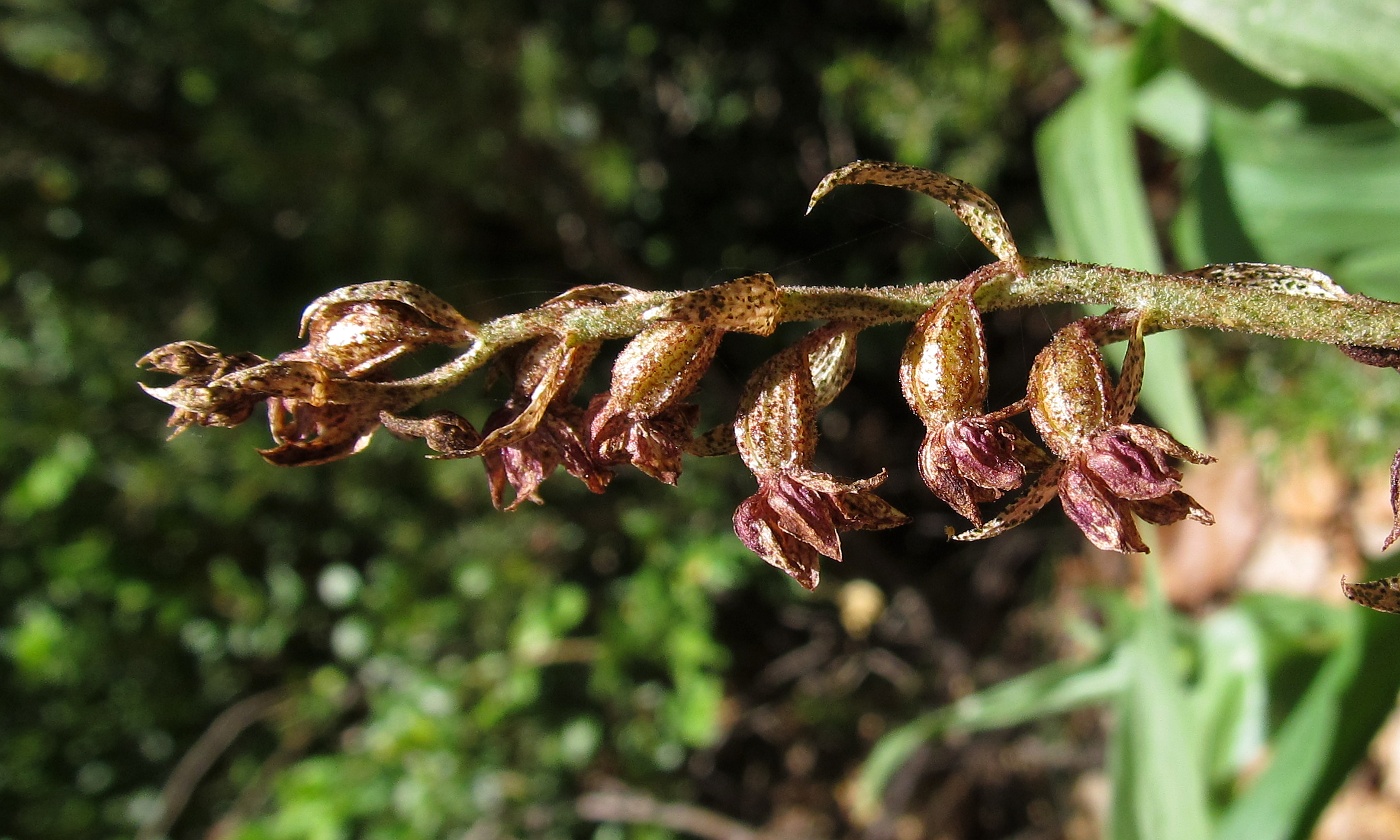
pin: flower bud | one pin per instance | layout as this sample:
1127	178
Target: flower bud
642	419
359	329
1069	391
446	432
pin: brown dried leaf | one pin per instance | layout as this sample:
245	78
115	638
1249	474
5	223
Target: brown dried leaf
1023	508
974	207
1380	595
1286	279
748	305
417	298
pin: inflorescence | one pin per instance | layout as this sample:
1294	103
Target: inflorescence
326	399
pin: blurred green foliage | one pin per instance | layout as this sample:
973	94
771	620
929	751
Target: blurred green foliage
368	649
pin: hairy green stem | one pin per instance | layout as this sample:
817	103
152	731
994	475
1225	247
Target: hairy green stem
1168	303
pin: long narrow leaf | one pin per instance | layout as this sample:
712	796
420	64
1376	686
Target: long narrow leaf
1050	690
1325	736
1158	784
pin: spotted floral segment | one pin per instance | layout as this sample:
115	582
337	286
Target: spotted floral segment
1021	509
414	297
196	359
1394	503
943	370
1380	595
797	514
714	443
832	363
974	207
1125	393
660	366
308	434
1113	470
551	370
1069	390
1286	279
642	420
747	305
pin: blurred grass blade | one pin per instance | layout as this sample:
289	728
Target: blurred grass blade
1346	45
1159	790
1230	698
1098	211
1050	690
1324	737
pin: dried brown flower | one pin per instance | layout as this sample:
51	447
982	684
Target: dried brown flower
358	330
1112	469
797	513
967	457
538	428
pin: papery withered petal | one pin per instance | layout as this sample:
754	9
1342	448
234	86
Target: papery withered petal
985	454
940	475
309	434
974	207
1151	437
445	432
655	445
410	295
563	427
1022	508
748	305
1171	509
827	484
1380	595
802	512
866	511
1068	391
781	550
522	470
1104	518
547	383
1129	469
315	452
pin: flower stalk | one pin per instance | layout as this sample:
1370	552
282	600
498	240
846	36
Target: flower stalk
326	399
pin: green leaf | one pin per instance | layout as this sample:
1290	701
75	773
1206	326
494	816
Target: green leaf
1324	737
1159	790
1049	690
1098	211
1230	698
1346	45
